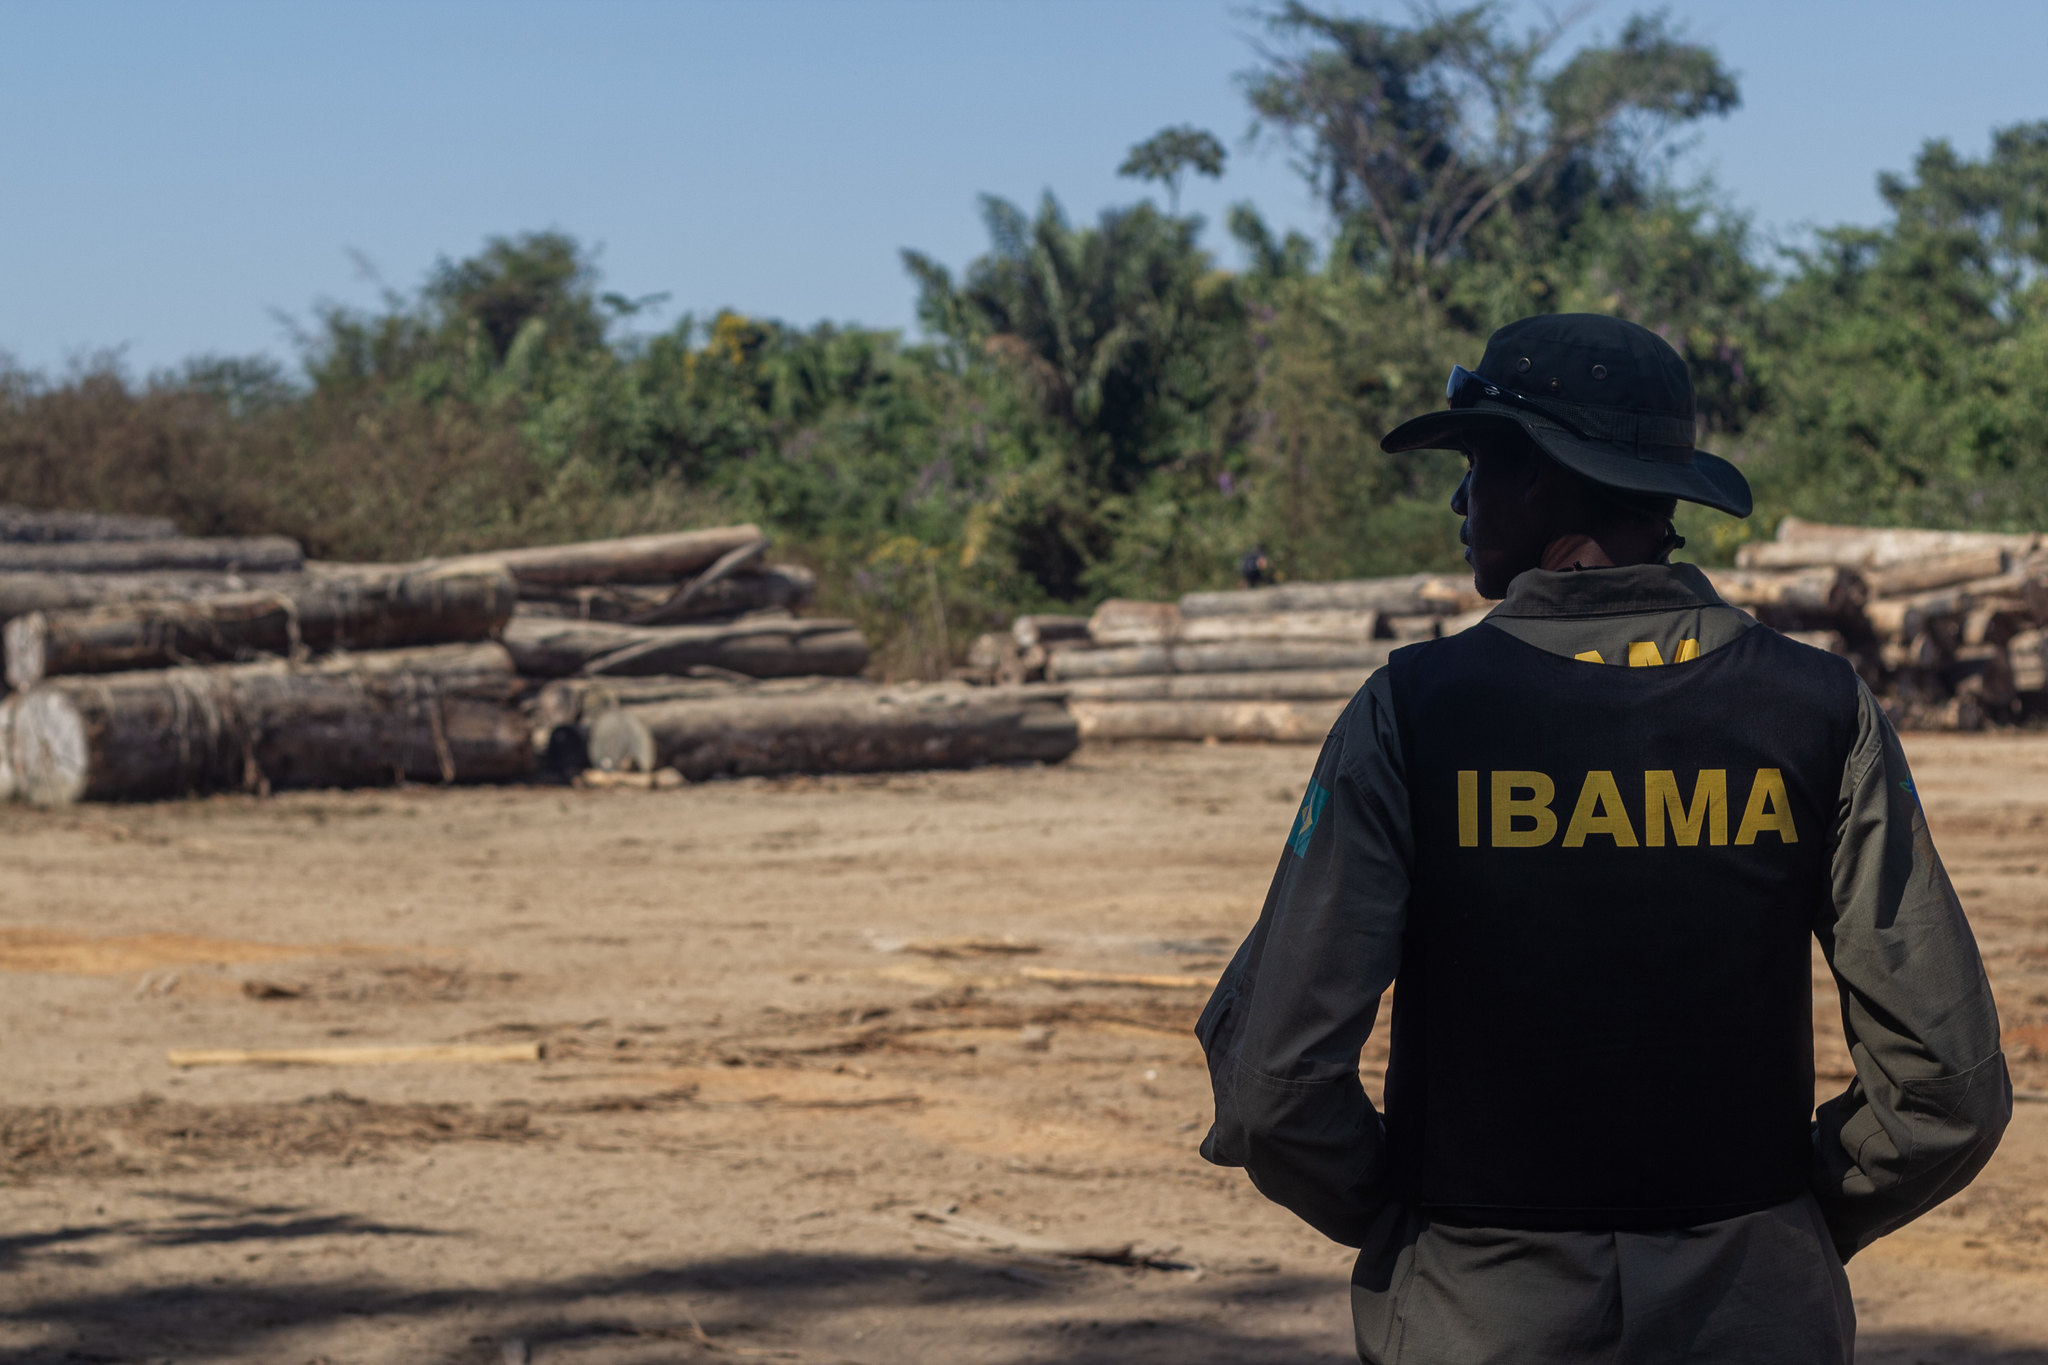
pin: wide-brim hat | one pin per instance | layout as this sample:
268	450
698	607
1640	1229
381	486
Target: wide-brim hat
1605	398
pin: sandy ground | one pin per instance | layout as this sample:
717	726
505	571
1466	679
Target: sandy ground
785	1111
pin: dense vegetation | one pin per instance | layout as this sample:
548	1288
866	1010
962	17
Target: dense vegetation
1101	408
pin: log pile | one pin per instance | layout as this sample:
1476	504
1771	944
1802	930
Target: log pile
1273	663
145	665
1947	627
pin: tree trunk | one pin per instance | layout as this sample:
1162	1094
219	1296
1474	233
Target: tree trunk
1119	622
766	649
1240	657
629	559
650	604
1290	685
22	593
250	554
447	714
25	525
1408	595
356	612
844	730
1293	722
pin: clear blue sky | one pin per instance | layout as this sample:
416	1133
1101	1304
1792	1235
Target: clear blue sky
175	175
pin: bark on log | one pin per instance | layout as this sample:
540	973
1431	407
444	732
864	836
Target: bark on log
21	593
437	606
1821	591
1118	622
1803	544
629	559
649	604
1240	657
2027	655
27	525
766	649
8	781
1046	629
572	701
430	715
1901	617
248	554
1408	595
1290	722
1403	629
1305	684
1944	571
846	730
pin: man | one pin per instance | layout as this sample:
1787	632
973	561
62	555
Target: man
1253	568
1590	837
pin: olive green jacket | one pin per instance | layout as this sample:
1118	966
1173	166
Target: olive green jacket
1285	1027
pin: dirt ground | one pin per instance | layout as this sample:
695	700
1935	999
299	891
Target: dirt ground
801	1096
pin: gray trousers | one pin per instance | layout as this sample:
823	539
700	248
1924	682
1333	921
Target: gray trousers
1763	1289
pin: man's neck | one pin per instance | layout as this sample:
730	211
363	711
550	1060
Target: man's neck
1583	550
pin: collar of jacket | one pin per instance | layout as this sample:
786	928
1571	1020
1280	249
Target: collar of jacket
1608	592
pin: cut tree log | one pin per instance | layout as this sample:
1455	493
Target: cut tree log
1238	657
1903	617
629	559
445	714
744	590
573	701
373	1055
1943	571
1157	981
21	593
877	729
314	614
1408	595
1286	722
8	784
1821	591
1803	544
1118	622
1045	629
2027	655
246	554
35	526
546	648
1305	684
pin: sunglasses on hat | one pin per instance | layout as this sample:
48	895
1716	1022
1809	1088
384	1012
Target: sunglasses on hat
1465	388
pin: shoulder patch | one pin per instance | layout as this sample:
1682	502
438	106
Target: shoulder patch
1312	803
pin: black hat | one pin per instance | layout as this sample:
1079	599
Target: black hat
1603	397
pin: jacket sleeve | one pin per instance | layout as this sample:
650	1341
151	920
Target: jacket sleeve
1931	1095
1284	1029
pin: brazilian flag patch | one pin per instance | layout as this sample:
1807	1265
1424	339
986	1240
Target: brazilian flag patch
1312	802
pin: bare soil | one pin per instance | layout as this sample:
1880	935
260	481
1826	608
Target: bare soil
802	1096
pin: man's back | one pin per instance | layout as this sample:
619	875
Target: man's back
1764	1285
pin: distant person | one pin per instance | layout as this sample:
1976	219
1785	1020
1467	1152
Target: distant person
1591	839
1254	569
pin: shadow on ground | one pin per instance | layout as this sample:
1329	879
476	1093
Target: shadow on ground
814	1309
1925	1348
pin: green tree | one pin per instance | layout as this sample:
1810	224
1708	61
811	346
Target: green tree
1169	154
1909	362
1125	336
1420	137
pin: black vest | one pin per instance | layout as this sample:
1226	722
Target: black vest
1603	1018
